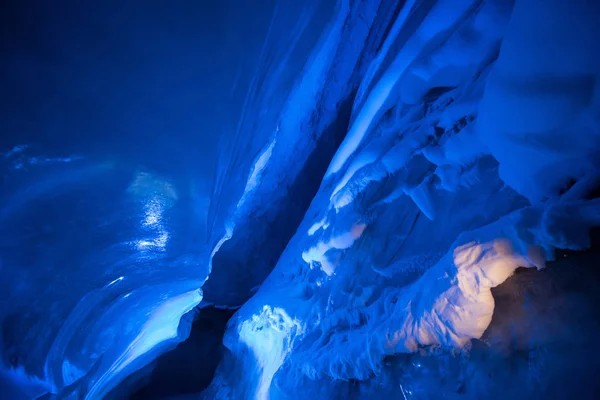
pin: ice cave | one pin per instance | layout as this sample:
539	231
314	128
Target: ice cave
300	199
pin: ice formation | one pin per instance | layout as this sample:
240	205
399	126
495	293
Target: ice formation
108	311
396	164
466	148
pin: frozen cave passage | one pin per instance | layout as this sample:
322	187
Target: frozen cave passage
292	199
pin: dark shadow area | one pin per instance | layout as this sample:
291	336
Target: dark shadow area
553	317
187	369
270	238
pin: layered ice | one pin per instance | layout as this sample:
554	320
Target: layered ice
395	165
91	293
454	173
289	150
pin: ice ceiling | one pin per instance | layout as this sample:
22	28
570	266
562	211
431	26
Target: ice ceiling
394	199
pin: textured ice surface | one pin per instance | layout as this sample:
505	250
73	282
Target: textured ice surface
302	133
383	214
452	175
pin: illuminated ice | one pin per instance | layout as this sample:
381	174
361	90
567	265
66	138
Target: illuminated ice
269	334
408	176
161	326
440	191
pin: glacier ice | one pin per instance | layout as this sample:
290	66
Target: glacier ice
443	221
399	211
102	294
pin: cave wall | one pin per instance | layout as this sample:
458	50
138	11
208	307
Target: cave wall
299	140
422	212
390	218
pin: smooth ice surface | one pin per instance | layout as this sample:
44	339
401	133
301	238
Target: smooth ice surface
162	325
89	291
112	117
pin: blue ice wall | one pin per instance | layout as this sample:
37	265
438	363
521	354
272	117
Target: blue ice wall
393	195
113	119
97	270
470	153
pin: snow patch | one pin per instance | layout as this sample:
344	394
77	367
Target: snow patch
269	334
341	242
318	225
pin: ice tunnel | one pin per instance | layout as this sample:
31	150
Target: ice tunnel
300	199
